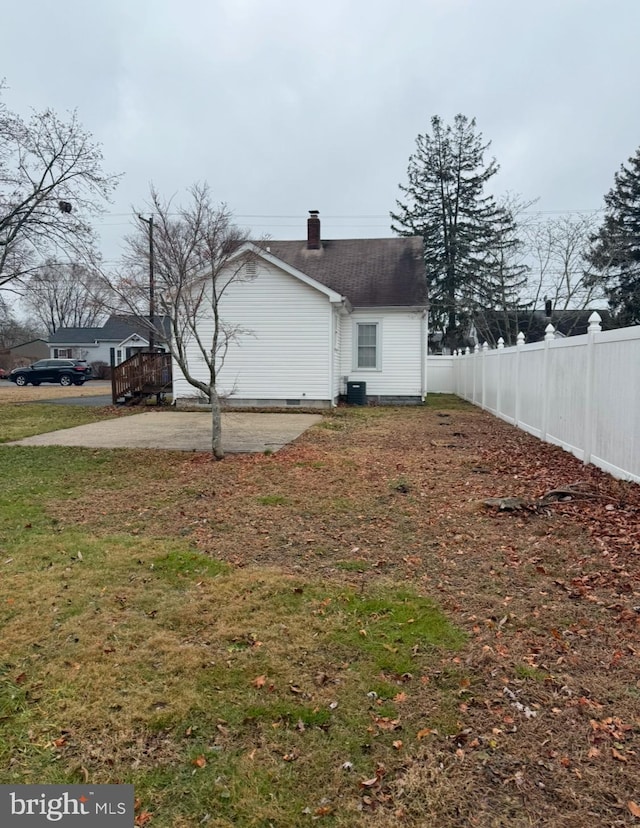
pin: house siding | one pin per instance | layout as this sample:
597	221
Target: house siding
92	352
400	365
282	357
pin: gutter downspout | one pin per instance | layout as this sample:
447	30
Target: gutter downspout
332	339
335	308
423	354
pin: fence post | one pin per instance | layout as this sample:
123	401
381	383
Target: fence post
456	377
485	348
519	344
498	356
467	363
589	412
476	351
549	332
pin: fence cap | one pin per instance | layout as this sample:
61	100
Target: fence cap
549	332
594	322
520	338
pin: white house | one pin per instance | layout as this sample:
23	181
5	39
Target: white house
118	339
320	314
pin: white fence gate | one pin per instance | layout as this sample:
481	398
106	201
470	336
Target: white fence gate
581	393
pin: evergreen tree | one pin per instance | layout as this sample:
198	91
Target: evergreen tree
446	205
615	248
497	298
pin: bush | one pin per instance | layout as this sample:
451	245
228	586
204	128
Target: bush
100	370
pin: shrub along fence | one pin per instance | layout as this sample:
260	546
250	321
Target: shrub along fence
581	393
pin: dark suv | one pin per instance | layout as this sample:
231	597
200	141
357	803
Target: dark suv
64	371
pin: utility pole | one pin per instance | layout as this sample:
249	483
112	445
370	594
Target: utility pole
152	308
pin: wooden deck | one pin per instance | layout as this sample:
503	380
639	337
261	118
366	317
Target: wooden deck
142	375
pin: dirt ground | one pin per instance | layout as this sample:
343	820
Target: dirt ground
547	728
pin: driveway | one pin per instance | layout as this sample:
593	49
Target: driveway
182	431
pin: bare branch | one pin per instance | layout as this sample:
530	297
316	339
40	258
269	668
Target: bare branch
43	161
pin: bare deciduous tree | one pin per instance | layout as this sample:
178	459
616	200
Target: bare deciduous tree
560	272
195	263
14	332
51	183
65	295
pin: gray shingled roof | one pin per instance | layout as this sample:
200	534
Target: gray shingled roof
119	327
115	329
369	272
75	336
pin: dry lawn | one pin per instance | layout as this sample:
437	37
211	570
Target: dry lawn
10	393
532	718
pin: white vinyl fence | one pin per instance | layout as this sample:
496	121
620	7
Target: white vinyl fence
440	375
581	393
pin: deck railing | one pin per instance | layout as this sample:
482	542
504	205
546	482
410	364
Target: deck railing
142	375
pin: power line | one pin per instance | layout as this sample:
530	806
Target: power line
362	215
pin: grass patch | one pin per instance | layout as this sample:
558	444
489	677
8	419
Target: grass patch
353	566
26	419
205	686
273	500
528	673
179	565
447	402
392	629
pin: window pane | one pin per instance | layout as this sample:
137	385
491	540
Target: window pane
367	346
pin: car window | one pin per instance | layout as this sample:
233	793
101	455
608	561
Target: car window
42	363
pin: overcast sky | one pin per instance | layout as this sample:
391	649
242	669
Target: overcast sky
285	106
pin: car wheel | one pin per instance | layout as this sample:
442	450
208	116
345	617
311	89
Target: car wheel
21	380
65	380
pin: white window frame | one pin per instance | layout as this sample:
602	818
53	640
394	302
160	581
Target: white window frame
378	324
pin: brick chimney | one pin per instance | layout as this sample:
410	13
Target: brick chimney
313	230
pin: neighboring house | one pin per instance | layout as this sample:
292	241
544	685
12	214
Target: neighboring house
24	354
319	314
119	338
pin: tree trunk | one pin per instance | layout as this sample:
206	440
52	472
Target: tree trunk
216	423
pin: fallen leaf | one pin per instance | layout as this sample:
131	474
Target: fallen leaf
397	744
260	681
199	761
619	756
143	818
369	783
634	808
